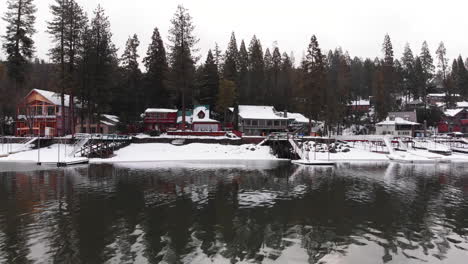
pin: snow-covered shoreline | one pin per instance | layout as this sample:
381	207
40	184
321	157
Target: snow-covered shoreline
162	152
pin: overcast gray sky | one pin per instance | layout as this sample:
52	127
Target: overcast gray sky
358	26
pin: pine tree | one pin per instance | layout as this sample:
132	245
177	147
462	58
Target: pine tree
243	89
218	57
442	65
182	58
231	59
226	96
17	42
131	93
407	64
268	83
103	64
385	90
427	64
256	72
462	78
210	82
66	28
315	82
278	99
155	62
286	82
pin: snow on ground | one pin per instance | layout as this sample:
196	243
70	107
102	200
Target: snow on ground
195	151
354	154
47	155
5	148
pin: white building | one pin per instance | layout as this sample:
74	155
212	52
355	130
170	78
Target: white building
396	127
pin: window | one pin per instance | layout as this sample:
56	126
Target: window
269	123
283	122
39	110
277	123
51	110
93	130
247	122
254	122
261	122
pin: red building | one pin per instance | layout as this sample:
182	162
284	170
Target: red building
40	114
455	120
201	121
160	119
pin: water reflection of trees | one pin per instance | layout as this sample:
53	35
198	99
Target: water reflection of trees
103	213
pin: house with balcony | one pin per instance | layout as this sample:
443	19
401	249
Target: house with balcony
40	113
257	120
398	124
454	120
159	119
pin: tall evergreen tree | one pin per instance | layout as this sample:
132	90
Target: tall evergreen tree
17	42
243	88
315	82
231	59
384	98
66	28
182	41
407	64
442	66
277	94
209	82
268	82
286	82
218	57
427	64
256	71
155	62
131	92
103	63
461	74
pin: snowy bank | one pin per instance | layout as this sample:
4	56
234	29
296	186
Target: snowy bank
53	154
195	151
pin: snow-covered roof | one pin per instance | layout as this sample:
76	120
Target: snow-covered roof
452	112
107	123
361	102
53	97
298	117
160	110
463	104
258	112
112	118
441	95
397	121
205	117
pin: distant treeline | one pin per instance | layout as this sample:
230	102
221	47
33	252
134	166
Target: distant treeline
321	85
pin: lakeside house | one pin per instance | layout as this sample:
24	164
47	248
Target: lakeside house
256	120
159	119
201	121
107	124
40	113
454	120
398	124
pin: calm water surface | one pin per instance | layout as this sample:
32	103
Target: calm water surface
250	212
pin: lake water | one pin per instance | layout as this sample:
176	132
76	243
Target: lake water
228	212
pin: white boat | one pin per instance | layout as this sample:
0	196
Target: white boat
178	142
314	162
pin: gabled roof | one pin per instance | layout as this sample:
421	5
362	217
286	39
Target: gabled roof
453	112
205	117
259	112
53	97
397	121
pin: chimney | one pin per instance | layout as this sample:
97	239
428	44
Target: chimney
285	113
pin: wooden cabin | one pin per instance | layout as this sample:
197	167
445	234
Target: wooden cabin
40	113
